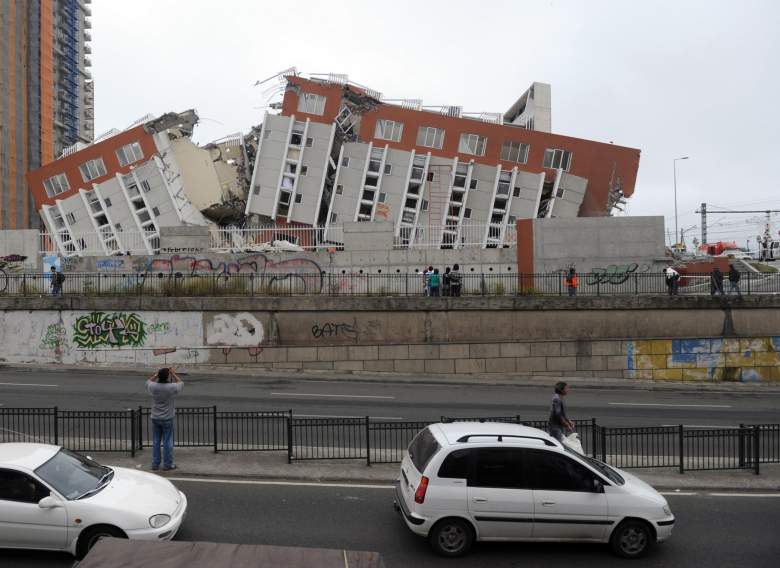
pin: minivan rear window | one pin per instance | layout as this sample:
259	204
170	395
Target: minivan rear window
422	449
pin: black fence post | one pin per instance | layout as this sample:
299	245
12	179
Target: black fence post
214	410
289	439
56	428
368	443
741	445
603	432
593	427
140	428
748	286
636	284
132	433
756	447
681	441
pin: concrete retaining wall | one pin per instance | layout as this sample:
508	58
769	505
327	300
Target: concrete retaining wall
658	338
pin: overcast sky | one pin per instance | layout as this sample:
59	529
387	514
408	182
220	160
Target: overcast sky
676	78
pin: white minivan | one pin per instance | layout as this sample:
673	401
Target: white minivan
467	481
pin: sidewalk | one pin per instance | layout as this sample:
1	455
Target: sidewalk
493	379
273	466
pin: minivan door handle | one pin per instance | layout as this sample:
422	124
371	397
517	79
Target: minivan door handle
548	503
479	500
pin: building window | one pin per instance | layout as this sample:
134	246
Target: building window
339	189
298	197
430	137
389	130
118	226
311	104
382	197
516	192
512	220
129	154
145	186
514	152
472	144
107	201
388	169
473	184
557	159
467	213
56	185
560	192
309	142
304	170
424	205
345	162
333	217
156	211
92	169
71	218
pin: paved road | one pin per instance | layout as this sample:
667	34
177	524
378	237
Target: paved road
710	531
79	390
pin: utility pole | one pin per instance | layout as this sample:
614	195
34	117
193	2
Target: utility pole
704	223
767	212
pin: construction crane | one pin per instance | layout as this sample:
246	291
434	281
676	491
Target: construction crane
769	249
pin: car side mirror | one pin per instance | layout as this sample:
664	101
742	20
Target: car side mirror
598	486
49	503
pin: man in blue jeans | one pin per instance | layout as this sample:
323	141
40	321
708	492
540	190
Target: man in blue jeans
163	392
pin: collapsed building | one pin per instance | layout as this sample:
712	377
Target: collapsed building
336	152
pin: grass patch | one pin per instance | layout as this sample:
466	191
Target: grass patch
761	267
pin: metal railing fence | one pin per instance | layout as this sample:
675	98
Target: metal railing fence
192	283
379	441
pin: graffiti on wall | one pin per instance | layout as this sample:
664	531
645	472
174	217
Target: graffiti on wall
13	264
302	272
240	330
331	329
55	338
99	329
110	264
615	273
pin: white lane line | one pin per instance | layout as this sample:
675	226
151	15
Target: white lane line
26	385
342	416
329	395
683	493
670	405
744	494
293	483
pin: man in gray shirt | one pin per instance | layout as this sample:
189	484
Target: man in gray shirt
559	423
163	391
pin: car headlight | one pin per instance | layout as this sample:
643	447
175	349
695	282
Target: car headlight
158	521
667	511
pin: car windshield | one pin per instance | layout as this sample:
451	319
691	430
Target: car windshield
73	475
599	466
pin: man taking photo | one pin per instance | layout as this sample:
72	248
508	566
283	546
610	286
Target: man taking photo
163	386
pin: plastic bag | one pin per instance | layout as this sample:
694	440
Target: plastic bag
573	441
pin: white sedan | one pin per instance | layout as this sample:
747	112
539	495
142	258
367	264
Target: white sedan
55	499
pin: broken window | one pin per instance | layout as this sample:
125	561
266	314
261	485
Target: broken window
516	192
430	137
71	218
461	172
296	137
309	142
56	185
388	169
389	130
145	186
557	159
467	214
503	183
345	162
560	192
156	211
129	153
304	170
107	201
515	152
92	169
333	217
473	184
298	198
472	144
311	104
382	197
339	189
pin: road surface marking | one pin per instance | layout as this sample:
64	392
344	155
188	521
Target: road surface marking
670	405
744	494
294	483
342	416
678	493
329	395
26	385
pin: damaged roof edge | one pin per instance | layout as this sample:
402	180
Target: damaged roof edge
184	121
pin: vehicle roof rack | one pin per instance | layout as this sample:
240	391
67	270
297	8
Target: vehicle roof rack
502	436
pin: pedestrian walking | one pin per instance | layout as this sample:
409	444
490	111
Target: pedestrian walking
163	391
57	279
672	278
436	283
446	282
734	276
571	282
716	282
558	423
427	280
455	280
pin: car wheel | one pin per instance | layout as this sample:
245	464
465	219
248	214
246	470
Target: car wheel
451	537
632	539
89	537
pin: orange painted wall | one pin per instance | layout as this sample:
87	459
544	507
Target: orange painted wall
47	81
11	119
592	160
70	164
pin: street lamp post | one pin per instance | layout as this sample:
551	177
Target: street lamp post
676	233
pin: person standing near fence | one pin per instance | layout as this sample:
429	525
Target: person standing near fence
163	391
445	282
455	280
571	282
734	277
558	423
672	279
716	280
57	278
435	283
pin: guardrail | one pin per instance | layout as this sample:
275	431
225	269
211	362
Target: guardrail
379	441
170	283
